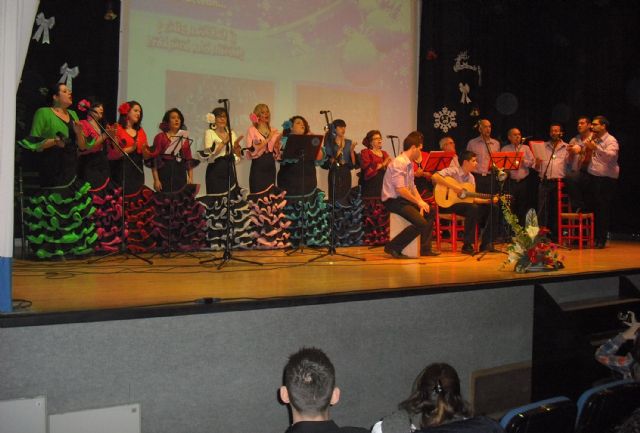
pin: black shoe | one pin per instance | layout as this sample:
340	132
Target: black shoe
600	244
487	247
430	253
467	249
395	254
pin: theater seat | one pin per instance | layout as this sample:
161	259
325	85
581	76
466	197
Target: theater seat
603	407
554	415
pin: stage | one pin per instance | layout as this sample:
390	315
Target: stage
126	287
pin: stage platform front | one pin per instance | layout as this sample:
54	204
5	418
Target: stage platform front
121	287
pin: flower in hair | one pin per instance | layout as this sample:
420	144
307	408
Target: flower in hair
164	126
124	108
253	118
211	118
84	105
287	124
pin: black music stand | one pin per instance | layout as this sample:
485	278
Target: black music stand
302	148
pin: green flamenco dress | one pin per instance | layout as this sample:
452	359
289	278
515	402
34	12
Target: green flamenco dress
58	216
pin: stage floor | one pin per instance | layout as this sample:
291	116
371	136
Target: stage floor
119	282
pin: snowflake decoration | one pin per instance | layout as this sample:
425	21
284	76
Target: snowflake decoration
445	120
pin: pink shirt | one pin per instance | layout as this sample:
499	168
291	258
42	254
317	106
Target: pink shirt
399	174
478	146
604	161
254	137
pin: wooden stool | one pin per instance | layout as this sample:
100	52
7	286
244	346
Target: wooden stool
396	225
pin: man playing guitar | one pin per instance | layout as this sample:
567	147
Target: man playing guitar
466	202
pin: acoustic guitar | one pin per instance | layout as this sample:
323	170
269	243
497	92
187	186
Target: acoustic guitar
445	197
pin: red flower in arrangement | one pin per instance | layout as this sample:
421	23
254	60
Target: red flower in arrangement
124	108
533	255
84	105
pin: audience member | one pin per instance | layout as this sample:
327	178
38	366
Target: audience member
628	365
309	389
435	405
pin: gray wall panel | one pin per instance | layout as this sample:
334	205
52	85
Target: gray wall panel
221	372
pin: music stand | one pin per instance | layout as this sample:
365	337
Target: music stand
506	160
302	148
437	160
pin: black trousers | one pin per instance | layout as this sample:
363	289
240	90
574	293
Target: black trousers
523	194
476	215
548	206
420	225
602	191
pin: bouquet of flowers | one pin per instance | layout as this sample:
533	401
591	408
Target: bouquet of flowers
531	249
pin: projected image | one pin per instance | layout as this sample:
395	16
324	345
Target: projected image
299	57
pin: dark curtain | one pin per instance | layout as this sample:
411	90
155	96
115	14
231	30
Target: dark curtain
542	62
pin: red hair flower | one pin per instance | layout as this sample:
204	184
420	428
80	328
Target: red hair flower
124	108
84	105
253	118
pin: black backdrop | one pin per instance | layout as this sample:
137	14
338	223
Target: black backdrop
541	61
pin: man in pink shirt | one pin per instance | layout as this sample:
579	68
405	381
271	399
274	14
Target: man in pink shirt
603	171
400	196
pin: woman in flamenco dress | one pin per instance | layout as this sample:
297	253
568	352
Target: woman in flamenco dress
58	216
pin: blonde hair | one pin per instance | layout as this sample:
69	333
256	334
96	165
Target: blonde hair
257	109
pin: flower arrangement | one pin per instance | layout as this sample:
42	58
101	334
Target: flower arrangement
531	249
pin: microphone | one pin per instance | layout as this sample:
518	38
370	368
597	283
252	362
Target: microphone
392	136
220	101
325	111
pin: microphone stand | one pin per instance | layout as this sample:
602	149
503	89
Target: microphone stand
227	255
331	250
123	250
393	147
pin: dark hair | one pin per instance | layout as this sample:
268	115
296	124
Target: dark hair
339	122
310	378
287	131
167	115
436	396
466	155
122	119
52	91
414	138
602	120
557	124
93	104
367	139
587	118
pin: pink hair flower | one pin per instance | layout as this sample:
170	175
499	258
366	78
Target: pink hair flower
253	118
84	105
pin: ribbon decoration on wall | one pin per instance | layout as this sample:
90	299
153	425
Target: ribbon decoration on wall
44	25
68	74
464	90
462	62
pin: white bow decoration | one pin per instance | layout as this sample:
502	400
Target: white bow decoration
68	74
44	25
464	90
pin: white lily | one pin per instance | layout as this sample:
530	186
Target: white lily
532	231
